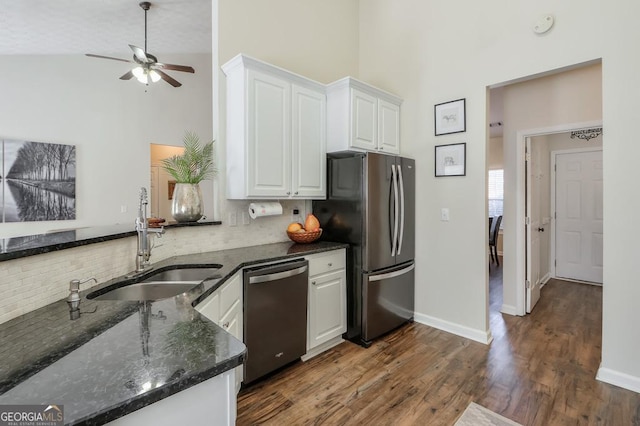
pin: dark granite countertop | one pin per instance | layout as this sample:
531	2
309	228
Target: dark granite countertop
120	356
30	245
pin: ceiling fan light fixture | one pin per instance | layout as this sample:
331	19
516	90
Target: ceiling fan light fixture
154	76
138	72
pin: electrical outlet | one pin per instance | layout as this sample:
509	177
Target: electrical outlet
296	216
233	218
444	215
245	218
123	209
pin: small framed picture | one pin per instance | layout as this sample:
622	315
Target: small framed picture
451	160
450	117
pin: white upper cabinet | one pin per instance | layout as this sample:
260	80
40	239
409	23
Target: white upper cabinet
363	129
361	117
388	127
309	142
276	132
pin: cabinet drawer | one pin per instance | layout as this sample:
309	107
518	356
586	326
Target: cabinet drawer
230	294
323	263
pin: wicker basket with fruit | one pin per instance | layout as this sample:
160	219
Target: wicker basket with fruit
307	233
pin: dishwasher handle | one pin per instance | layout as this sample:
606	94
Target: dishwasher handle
257	279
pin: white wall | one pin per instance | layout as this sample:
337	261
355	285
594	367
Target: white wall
430	52
317	39
77	100
496	153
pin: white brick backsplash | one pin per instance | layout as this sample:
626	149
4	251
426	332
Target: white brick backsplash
32	282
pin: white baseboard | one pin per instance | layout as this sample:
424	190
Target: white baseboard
545	279
509	310
617	378
457	329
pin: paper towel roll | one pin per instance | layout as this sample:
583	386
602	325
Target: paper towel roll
264	209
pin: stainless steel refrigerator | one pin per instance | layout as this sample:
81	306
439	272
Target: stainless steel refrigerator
371	205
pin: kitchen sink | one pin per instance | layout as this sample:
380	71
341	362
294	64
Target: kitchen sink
183	275
160	285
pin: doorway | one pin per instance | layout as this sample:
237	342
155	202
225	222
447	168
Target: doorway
541	149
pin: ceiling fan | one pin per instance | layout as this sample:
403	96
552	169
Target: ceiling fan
147	66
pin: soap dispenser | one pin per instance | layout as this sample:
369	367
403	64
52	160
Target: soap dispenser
74	296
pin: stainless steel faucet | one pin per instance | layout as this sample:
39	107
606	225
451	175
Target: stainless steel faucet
144	232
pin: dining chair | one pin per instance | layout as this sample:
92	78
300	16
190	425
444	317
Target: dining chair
494	229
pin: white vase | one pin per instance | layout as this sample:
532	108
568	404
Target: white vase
187	202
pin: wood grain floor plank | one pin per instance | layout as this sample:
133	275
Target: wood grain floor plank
539	370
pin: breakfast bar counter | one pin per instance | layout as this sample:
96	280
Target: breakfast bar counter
120	356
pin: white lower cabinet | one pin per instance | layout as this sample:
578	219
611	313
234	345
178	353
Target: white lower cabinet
212	402
327	304
224	307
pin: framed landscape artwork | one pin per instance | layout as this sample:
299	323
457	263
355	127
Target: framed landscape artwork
38	181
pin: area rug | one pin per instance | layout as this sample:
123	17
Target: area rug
477	415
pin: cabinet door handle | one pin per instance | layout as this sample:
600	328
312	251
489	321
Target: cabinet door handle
313	282
330	264
225	325
296	193
288	192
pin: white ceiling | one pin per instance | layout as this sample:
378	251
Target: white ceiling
34	27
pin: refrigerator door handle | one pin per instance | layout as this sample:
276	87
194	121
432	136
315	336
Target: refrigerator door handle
401	237
394	179
392	274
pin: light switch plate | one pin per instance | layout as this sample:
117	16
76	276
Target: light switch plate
245	218
233	218
444	215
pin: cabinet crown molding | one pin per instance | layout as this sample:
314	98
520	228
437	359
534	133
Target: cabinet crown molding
361	85
249	62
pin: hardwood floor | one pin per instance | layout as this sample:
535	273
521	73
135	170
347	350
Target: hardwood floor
539	370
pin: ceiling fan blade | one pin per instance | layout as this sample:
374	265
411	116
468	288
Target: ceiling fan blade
140	54
166	77
127	76
183	68
108	57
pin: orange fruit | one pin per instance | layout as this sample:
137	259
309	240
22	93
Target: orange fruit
294	227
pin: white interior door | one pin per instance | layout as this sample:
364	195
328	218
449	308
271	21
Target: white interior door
579	216
532	224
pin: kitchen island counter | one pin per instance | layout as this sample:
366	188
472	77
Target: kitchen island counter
120	356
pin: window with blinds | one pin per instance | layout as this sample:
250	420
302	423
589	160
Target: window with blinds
496	192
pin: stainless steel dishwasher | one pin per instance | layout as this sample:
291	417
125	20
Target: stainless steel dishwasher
275	316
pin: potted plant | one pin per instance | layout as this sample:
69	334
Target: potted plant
188	170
